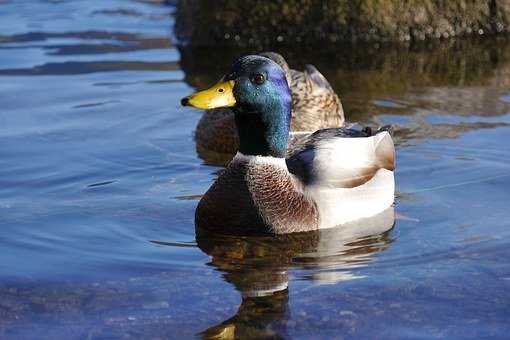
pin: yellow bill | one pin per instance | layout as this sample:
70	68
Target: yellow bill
220	95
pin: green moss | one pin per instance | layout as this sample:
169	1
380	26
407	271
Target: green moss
262	23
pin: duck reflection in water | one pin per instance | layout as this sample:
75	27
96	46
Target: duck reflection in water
258	267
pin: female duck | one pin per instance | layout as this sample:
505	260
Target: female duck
334	176
315	106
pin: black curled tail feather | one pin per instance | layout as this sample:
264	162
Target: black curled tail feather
387	128
368	131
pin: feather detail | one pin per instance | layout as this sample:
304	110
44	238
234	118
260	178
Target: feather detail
256	194
347	173
335	176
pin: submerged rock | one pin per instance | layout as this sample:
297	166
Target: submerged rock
265	23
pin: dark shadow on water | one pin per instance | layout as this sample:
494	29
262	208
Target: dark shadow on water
453	63
377	70
259	268
462	78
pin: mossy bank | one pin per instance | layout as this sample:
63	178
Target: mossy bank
265	23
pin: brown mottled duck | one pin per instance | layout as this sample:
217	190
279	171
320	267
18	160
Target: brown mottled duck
315	106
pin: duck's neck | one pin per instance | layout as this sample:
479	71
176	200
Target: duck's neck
278	162
263	134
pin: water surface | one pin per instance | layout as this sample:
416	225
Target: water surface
99	180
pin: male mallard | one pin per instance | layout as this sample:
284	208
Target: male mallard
334	176
315	106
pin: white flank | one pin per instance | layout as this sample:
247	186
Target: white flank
336	162
341	205
342	159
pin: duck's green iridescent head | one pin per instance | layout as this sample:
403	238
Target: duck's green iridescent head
257	90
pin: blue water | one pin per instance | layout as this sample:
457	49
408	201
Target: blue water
98	161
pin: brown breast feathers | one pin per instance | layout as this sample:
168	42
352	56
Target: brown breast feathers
253	199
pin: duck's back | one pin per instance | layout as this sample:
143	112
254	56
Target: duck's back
315	104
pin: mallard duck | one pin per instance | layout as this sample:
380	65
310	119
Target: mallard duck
335	176
315	106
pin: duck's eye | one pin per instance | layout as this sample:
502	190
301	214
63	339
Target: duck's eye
258	79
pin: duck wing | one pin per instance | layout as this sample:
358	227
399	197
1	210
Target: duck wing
342	157
347	173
